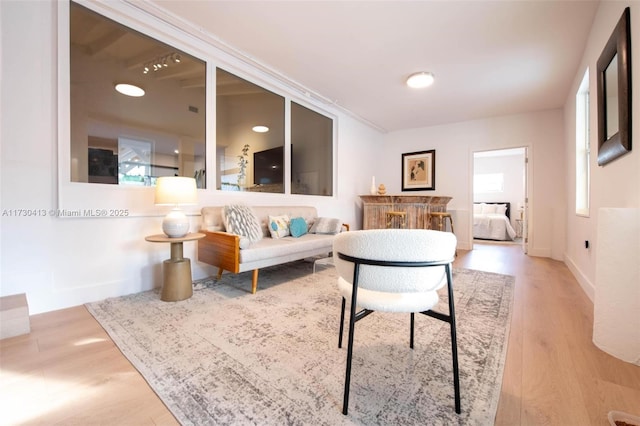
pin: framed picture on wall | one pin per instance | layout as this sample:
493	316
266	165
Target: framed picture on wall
419	171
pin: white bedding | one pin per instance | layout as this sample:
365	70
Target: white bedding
493	226
491	222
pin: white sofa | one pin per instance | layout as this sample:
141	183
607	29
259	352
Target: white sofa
229	252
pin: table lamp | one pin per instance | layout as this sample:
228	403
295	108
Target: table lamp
176	191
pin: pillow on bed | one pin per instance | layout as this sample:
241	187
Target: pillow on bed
477	208
279	226
501	208
488	208
326	225
240	220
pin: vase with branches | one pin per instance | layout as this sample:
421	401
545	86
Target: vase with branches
243	160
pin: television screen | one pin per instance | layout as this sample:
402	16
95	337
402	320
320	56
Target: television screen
268	166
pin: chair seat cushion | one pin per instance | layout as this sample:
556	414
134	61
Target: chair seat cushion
390	302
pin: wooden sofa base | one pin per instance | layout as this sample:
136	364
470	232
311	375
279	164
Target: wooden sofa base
254	279
222	249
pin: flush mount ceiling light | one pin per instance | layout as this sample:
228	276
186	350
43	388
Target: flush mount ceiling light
129	90
420	80
260	129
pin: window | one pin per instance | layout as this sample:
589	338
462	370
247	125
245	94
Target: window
311	152
249	136
251	141
120	139
488	182
582	147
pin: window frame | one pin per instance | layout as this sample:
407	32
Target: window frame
583	148
138	200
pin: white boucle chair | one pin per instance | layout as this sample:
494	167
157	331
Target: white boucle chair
395	270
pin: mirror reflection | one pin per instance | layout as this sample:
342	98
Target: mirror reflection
311	152
249	136
611	96
131	139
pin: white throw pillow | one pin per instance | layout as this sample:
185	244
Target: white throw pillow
501	208
241	220
477	209
279	226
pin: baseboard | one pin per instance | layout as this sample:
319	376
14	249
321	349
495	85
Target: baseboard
587	286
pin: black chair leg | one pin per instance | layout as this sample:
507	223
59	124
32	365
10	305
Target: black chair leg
347	380
341	323
454	344
413	320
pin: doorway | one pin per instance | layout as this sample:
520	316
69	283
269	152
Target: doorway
500	198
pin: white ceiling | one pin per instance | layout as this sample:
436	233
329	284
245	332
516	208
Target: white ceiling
490	58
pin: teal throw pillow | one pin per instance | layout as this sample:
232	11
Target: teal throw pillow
297	227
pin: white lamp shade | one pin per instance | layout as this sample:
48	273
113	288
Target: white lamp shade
176	191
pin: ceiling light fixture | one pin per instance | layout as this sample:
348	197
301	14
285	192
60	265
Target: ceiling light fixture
420	80
130	90
161	62
260	129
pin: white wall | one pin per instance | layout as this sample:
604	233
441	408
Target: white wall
62	262
541	132
618	183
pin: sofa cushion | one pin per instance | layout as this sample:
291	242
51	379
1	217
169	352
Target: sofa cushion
269	248
240	220
279	226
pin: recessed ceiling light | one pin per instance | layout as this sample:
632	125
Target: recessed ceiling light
176	151
420	80
130	90
260	129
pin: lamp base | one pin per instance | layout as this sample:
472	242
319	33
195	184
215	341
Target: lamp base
175	224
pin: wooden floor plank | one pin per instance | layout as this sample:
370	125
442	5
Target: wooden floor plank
68	371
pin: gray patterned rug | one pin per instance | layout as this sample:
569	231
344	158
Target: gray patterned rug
228	357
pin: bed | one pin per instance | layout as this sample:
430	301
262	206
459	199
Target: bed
492	221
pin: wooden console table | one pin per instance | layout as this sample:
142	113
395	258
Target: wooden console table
417	208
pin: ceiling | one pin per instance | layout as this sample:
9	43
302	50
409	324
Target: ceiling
490	58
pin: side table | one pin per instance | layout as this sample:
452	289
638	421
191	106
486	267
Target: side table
518	228
177	283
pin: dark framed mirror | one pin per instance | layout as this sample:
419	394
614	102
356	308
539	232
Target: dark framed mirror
614	93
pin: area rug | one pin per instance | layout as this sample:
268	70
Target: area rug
227	357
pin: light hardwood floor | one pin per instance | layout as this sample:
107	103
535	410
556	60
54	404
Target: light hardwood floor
68	371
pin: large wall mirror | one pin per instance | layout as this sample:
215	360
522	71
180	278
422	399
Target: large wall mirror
131	139
614	94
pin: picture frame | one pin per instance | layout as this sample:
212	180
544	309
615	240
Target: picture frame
614	93
419	171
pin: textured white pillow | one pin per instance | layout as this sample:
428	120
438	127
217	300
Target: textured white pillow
279	226
501	208
241	220
477	208
326	225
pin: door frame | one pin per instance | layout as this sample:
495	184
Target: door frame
527	218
